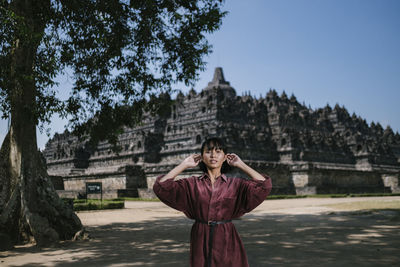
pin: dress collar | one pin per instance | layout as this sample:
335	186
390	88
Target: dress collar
205	176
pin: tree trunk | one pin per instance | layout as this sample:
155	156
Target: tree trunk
30	209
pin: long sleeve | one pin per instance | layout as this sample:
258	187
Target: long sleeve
255	192
172	193
251	194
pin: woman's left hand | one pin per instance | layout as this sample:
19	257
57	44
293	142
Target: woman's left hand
234	160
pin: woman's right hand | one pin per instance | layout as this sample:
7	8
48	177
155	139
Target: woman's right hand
192	161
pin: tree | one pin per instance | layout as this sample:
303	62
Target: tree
121	55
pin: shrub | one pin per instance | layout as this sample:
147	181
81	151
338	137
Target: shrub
92	204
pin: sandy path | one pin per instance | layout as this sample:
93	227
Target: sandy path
298	232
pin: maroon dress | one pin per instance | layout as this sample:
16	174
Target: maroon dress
228	199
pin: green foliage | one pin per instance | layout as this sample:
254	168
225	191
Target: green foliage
121	55
139	199
95	204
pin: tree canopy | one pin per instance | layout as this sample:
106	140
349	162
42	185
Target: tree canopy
119	53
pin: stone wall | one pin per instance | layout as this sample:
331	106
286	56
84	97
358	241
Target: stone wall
305	151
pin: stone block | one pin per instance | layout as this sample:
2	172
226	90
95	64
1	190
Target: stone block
300	179
146	193
391	181
306	190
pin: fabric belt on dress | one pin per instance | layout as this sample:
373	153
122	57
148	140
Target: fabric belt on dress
212	224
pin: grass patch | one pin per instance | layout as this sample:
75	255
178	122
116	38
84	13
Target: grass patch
374	195
138	199
93	204
333	195
285	196
367	205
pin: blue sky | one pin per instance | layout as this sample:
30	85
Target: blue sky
322	51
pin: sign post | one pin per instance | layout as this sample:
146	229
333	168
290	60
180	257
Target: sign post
94	188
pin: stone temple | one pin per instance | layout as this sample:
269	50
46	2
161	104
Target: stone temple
305	151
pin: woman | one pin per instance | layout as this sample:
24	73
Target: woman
213	200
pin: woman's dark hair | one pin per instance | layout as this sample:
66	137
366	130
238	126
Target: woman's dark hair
210	144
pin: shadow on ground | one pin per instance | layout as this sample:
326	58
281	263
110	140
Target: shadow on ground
343	239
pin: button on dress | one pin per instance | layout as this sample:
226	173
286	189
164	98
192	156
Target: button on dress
228	199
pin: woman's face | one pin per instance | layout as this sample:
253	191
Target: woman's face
213	158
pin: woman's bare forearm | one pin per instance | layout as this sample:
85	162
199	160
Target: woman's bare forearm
254	175
174	172
189	162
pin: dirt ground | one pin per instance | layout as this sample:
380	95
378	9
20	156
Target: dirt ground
297	232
